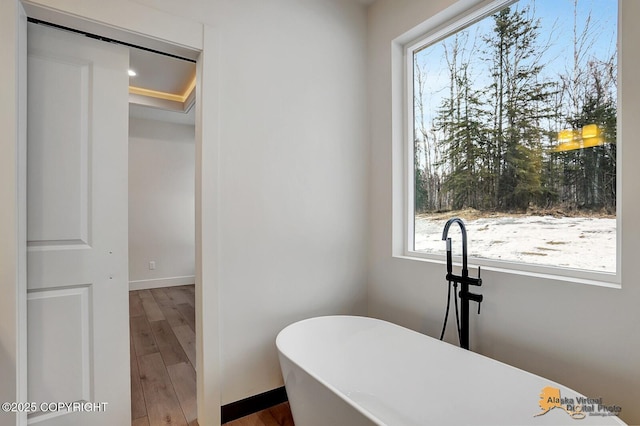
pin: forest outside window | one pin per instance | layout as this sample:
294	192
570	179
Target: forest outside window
514	130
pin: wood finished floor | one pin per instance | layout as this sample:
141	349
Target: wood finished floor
163	359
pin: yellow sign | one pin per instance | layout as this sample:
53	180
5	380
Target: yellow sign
590	135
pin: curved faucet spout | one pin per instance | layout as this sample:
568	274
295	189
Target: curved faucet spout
445	232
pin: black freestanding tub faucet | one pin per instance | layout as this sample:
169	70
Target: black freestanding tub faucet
464	280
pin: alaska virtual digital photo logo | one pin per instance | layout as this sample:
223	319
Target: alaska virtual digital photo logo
578	408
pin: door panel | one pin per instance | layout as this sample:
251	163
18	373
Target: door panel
77	281
66	342
57	192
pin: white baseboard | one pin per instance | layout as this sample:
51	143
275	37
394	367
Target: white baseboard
161	282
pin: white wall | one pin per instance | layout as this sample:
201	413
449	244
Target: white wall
161	199
294	161
586	337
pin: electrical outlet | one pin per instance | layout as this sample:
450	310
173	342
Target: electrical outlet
152	265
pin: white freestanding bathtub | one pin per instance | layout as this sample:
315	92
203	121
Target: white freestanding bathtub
352	371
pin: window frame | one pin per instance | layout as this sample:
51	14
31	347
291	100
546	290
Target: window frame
431	32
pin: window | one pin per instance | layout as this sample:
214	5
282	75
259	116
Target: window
513	129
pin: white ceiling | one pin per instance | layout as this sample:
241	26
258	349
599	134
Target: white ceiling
161	81
160	73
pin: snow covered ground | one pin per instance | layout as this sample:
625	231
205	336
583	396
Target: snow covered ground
574	242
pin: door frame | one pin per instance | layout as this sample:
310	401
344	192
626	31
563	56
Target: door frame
207	184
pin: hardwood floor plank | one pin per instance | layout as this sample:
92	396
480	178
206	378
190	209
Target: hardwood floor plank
142	421
145	294
239	422
266	417
187	339
183	377
168	308
173	316
261	418
177	295
189	314
189	293
138	406
160	296
143	340
163	407
282	414
135	305
168	345
152	309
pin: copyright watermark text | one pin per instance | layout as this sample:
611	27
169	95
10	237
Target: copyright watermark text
54	407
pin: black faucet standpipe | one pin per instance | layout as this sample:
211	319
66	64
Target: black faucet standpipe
464	280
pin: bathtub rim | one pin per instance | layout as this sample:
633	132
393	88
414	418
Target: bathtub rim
367	413
332	388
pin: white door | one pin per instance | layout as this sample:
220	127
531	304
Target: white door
77	261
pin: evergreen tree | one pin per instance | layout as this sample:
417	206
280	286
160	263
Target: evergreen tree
589	90
461	121
596	186
521	104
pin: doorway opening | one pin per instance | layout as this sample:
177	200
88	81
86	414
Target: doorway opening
162	264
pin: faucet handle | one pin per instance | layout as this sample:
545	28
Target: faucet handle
475	298
478	299
476	281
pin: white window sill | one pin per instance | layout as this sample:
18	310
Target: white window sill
578	276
